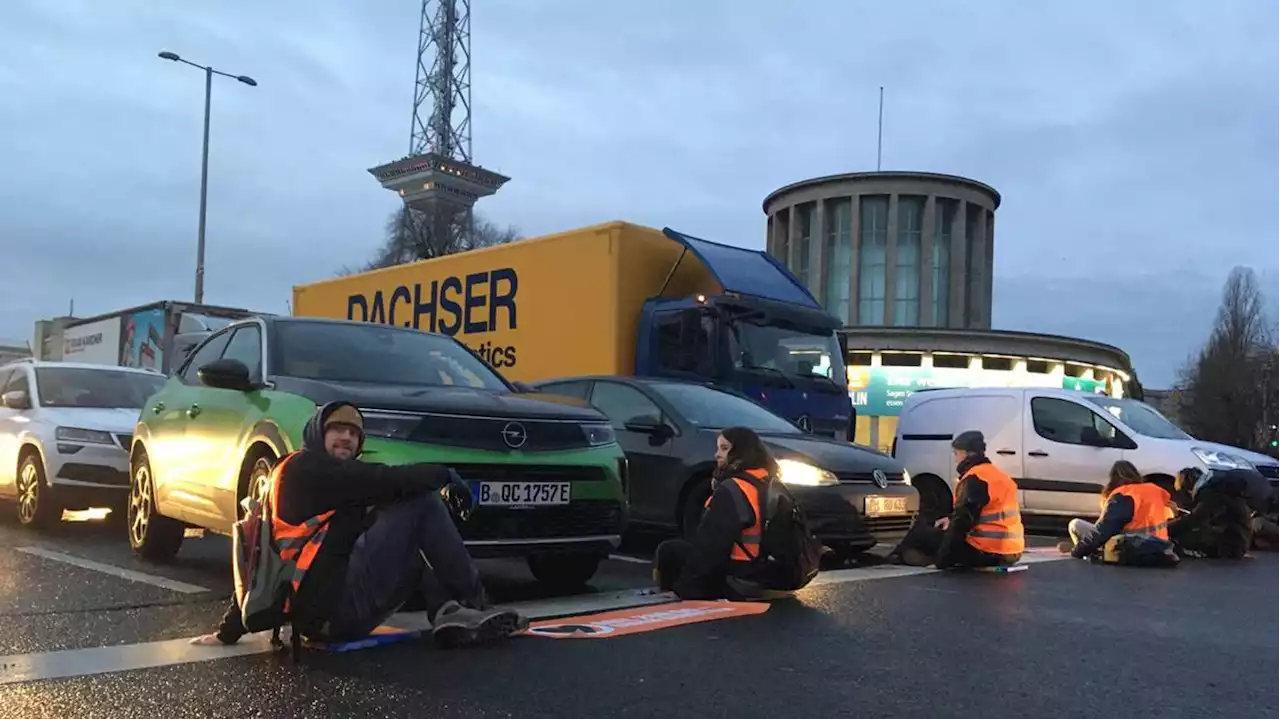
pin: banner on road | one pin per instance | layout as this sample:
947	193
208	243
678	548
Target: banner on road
642	619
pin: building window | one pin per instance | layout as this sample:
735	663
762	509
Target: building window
805	220
873	234
970	262
944	215
839	228
906	278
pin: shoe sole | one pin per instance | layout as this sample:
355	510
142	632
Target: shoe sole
492	629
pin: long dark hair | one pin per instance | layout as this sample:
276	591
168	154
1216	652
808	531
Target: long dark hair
747	452
1122	473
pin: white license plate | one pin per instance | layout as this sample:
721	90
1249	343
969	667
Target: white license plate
522	494
884	506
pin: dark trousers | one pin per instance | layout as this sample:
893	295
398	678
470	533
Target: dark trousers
949	550
412	546
670	561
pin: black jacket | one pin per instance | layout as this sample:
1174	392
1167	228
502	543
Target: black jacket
313	483
972	494
1218	519
709	563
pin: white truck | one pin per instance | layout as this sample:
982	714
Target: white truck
156	336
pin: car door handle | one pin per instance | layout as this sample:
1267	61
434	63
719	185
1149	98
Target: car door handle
158	408
194	411
1037	453
1005	451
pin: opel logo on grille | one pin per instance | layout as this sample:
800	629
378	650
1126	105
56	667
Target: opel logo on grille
514	435
804	423
878	477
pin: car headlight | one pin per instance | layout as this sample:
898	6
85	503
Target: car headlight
1215	459
83	436
803	474
599	434
389	426
906	477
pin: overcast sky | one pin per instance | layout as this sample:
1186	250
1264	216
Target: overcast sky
1134	143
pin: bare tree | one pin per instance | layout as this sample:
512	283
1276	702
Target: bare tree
412	235
1228	389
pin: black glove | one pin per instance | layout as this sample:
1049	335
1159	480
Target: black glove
457	494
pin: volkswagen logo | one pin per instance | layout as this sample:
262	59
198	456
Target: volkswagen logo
514	435
878	477
804	423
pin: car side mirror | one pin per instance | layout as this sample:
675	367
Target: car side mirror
1091	437
226	373
650	425
17	399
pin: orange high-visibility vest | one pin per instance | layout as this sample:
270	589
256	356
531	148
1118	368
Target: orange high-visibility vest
747	547
999	527
1151	511
298	543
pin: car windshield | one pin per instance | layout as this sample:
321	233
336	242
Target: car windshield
377	354
1141	417
95	388
794	352
712	409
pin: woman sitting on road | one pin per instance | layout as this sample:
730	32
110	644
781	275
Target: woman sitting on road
717	563
1122	473
1134	527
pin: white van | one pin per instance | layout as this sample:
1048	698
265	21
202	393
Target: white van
1058	444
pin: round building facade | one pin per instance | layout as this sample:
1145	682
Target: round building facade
890	249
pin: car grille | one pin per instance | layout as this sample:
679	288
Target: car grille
865	477
577	519
528	473
889	525
1270	471
486	433
125	440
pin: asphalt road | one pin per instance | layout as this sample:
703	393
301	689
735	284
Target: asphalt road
1062	639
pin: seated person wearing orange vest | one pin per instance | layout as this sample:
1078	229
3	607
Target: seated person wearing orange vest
985	526
368	536
1136	510
717	563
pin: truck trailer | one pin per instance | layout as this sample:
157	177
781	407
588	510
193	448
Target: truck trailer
618	299
156	336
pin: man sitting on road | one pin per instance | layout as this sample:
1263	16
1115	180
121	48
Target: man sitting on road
386	534
985	526
1219	520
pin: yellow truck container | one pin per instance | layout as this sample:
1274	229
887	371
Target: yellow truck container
617	299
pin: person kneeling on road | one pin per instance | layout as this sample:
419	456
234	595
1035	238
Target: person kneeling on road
1133	529
985	526
724	559
1218	521
385	532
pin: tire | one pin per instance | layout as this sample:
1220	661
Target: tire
256	483
935	496
694	504
151	536
564	572
38	506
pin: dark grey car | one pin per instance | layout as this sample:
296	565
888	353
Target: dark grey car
854	496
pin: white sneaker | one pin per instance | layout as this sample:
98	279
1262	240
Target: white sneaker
459	626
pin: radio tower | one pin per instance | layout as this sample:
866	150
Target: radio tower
437	179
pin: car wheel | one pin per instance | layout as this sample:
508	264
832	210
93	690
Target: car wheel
256	485
564	572
695	503
151	536
37	505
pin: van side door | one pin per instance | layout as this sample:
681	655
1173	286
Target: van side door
1064	472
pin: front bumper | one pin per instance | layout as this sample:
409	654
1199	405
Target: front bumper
836	516
88	474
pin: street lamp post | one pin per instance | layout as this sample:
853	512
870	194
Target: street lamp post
209	72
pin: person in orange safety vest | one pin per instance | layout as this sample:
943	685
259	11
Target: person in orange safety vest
1139	509
985	526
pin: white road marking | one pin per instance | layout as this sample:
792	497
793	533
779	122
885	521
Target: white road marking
155	581
104	660
633	560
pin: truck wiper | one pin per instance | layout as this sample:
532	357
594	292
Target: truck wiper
774	370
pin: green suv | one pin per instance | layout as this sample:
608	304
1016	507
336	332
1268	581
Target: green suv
547	473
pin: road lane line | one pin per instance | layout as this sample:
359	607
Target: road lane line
633	560
155	581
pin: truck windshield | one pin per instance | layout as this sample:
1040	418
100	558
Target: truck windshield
712	409
95	388
1142	417
377	354
793	352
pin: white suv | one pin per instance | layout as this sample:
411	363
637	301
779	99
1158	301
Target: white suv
65	431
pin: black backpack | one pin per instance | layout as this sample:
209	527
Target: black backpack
789	553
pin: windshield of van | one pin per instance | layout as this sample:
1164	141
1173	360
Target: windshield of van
1141	417
712	409
377	354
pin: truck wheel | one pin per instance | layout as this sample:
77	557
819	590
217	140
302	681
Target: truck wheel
37	505
151	536
564	572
